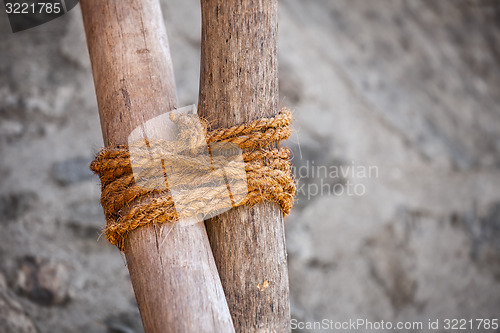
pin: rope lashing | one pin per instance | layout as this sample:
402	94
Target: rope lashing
129	205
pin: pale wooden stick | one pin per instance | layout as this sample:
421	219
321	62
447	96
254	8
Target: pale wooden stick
171	267
239	83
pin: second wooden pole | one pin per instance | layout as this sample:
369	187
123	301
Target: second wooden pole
238	84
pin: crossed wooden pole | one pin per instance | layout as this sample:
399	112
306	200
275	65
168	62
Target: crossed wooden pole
229	273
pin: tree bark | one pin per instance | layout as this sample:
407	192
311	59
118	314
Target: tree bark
171	266
239	83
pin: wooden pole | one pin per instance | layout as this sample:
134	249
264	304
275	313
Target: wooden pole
171	267
239	83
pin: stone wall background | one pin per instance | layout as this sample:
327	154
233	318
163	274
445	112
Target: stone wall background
410	88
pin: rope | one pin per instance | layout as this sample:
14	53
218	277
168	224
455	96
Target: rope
125	170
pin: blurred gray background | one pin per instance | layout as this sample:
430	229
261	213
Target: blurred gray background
410	89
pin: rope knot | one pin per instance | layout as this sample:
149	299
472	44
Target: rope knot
165	181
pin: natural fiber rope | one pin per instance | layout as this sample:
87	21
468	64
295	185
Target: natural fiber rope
128	206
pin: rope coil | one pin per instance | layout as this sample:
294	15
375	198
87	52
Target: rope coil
128	205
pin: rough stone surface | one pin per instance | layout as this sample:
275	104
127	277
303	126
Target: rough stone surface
72	170
13	318
42	281
396	151
13	205
125	323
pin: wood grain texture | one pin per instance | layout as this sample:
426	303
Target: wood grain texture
239	83
171	266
